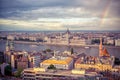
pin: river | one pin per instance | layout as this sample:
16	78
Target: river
93	51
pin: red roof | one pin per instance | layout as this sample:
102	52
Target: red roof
105	52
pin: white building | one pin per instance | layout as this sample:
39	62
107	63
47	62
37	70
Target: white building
42	73
110	41
10	37
80	41
117	42
32	38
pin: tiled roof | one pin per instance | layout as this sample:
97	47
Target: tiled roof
105	52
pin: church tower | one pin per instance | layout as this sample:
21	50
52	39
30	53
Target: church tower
103	52
8	51
100	47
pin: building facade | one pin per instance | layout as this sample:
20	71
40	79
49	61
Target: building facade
66	39
59	62
42	73
34	60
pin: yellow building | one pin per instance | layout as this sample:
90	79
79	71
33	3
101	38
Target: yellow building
103	67
82	65
59	62
103	62
100	67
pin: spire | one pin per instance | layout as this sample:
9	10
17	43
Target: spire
100	47
100	43
68	32
103	52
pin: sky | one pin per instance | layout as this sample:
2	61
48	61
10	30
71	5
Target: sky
35	15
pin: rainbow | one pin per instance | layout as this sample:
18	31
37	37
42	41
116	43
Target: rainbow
105	12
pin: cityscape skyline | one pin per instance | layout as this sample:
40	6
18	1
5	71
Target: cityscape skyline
64	56
98	15
70	55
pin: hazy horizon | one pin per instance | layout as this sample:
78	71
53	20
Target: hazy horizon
59	30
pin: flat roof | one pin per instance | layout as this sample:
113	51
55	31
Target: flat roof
58	61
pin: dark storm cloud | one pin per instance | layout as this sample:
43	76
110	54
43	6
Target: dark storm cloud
31	4
9	8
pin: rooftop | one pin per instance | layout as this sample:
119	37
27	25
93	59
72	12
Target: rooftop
94	60
64	60
86	60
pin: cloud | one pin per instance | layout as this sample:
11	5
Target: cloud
51	14
11	8
61	24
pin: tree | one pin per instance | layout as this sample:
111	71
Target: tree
117	61
48	50
51	67
18	73
95	41
8	70
72	51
